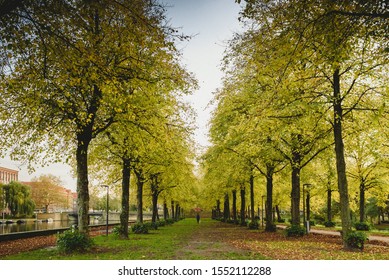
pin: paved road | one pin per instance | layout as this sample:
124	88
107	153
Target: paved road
372	237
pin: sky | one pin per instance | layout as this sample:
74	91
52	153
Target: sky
211	23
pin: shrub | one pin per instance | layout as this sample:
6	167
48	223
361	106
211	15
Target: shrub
117	231
362	226
253	225
169	221
161	223
329	224
151	225
73	240
356	239
294	230
140	228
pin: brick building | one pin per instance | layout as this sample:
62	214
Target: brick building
8	175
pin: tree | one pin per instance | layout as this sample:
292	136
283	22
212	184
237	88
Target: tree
76	68
332	49
18	199
47	192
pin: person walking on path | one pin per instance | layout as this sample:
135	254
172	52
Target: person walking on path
198	218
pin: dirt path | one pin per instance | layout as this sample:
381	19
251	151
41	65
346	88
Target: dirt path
212	241
216	240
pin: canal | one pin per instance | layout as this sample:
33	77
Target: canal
33	225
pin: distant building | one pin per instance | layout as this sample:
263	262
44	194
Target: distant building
8	175
49	199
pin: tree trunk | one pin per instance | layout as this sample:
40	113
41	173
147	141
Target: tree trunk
165	211
234	214
242	206
297	140
82	183
177	211
154	196
295	195
340	160
270	227
155	206
252	207
308	203
362	203
139	196
329	204
218	208
226	210
172	207
279	218
124	215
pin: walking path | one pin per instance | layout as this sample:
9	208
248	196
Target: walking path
217	240
372	237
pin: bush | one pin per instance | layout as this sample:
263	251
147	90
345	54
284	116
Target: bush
139	228
294	230
253	225
117	231
170	221
362	226
73	240
356	239
151	225
329	224
161	223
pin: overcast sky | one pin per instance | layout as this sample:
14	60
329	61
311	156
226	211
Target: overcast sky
212	22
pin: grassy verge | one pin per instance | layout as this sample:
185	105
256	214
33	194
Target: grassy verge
157	244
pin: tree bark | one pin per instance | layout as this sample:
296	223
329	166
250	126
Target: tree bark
269	199
295	195
279	218
154	217
172	207
340	159
329	205
218	208
252	207
82	183
139	195
362	202
124	215
242	205
177	212
165	211
297	140
226	210
234	214
308	203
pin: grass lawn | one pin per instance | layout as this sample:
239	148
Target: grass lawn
187	240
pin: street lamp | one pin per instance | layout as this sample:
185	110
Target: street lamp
306	223
263	196
105	186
